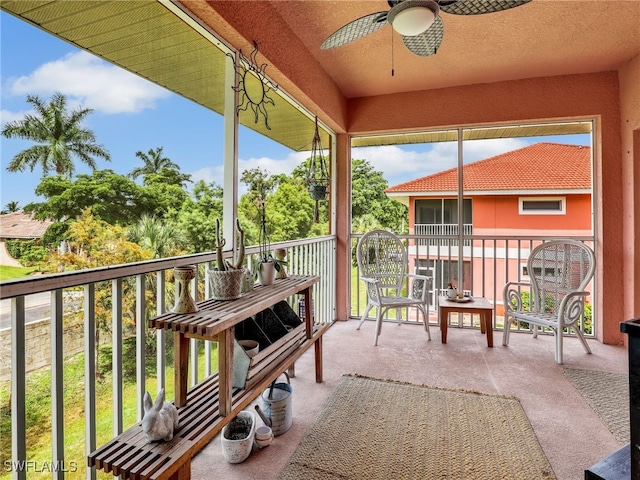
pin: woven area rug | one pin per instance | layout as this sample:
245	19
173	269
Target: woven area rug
608	395
380	429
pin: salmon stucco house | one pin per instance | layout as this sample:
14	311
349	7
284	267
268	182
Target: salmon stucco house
544	187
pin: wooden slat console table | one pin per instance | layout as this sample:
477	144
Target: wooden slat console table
216	321
210	405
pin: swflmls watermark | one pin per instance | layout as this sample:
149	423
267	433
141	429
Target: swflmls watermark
39	466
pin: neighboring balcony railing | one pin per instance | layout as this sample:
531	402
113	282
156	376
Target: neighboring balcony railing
111	305
431	231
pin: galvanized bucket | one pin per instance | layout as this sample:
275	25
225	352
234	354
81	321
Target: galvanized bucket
277	406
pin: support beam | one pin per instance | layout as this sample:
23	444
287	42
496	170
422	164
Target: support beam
343	225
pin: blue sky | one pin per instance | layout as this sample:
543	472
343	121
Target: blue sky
131	114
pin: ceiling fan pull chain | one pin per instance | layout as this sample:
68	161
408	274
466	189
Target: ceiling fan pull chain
392	71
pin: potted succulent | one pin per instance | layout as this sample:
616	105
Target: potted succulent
227	279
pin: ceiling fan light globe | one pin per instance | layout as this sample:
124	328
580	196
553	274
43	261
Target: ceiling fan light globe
413	21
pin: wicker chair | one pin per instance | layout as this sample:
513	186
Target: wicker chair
560	271
382	260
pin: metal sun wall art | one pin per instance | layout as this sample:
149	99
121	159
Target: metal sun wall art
253	85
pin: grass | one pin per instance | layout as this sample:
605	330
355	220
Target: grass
38	407
11	273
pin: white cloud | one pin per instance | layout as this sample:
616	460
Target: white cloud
475	150
90	81
9	116
398	163
208	175
403	163
272	165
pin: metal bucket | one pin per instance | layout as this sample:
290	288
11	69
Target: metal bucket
277	406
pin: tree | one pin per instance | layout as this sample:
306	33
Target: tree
365	223
167	176
95	243
255	203
59	137
165	191
11	207
161	238
197	216
112	197
291	211
367	196
154	162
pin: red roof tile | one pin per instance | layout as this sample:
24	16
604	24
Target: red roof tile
542	166
20	225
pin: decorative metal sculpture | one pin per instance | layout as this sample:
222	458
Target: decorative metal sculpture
318	178
253	85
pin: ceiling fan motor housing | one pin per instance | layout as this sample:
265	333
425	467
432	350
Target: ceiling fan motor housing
413	17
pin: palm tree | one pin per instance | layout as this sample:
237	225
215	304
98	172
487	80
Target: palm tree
151	233
154	163
59	136
11	207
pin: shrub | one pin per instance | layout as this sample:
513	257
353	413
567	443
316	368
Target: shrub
27	252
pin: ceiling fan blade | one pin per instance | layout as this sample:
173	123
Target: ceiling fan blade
428	42
355	30
477	7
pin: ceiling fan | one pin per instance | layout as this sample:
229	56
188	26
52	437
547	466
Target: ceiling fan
418	21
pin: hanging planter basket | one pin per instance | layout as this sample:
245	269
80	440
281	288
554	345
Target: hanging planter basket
318	192
317	178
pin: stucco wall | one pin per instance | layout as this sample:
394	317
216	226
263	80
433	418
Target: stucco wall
493	214
38	345
563	97
630	191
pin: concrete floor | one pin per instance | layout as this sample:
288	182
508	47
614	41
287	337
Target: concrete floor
571	434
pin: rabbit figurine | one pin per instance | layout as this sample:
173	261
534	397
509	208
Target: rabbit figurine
160	419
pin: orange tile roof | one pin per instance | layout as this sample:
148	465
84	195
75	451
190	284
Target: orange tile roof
541	166
19	225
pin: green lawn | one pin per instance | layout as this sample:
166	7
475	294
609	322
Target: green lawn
11	273
39	414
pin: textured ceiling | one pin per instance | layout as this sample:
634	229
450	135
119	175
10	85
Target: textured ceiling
541	38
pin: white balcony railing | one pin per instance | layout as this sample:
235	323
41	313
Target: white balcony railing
111	301
488	263
116	302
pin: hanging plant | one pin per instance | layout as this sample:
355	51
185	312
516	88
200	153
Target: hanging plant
317	178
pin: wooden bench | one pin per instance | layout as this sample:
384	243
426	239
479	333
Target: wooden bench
130	456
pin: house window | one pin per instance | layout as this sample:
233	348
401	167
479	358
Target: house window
538	271
542	205
442	211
